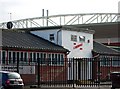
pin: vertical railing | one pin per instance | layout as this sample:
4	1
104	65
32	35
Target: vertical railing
78	70
73	73
38	71
98	73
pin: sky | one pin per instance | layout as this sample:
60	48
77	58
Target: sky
21	9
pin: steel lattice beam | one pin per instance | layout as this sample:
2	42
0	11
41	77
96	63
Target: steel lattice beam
67	19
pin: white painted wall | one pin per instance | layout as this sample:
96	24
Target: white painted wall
86	47
45	34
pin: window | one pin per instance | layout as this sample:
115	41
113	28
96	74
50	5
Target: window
34	57
115	61
25	57
56	59
53	59
14	76
18	56
49	59
31	56
59	60
82	38
62	59
10	57
74	38
3	57
21	56
51	37
14	57
105	61
42	58
38	57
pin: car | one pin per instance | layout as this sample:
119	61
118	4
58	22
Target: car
10	80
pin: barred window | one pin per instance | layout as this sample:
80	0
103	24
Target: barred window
82	38
74	38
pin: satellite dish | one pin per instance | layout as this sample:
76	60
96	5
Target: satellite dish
9	25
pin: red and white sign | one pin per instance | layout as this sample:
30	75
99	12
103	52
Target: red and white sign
77	45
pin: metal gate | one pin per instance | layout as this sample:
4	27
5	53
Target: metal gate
71	72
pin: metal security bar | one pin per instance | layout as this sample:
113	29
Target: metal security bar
70	72
67	19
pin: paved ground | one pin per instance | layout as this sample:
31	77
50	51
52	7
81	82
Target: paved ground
58	87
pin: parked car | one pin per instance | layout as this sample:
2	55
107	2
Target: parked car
115	78
10	80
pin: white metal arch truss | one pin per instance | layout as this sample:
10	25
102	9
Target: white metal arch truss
67	19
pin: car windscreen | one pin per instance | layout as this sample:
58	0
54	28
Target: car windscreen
14	76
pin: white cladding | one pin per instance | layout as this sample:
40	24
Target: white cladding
77	48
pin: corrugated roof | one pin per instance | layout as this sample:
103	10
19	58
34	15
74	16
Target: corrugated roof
102	49
20	39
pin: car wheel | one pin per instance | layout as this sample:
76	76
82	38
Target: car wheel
112	87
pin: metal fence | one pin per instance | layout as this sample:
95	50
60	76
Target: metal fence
70	72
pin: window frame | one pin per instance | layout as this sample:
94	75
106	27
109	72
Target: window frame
52	37
74	38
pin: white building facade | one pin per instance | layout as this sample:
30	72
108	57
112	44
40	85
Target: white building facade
78	41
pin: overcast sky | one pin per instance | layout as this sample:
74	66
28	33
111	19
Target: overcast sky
22	9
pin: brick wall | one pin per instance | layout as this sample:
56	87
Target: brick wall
28	78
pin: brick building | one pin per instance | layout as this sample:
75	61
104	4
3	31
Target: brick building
22	47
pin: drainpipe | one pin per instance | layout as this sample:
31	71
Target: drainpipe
58	36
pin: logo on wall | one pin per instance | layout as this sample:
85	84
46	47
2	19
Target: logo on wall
76	46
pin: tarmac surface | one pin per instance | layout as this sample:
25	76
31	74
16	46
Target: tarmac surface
67	87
